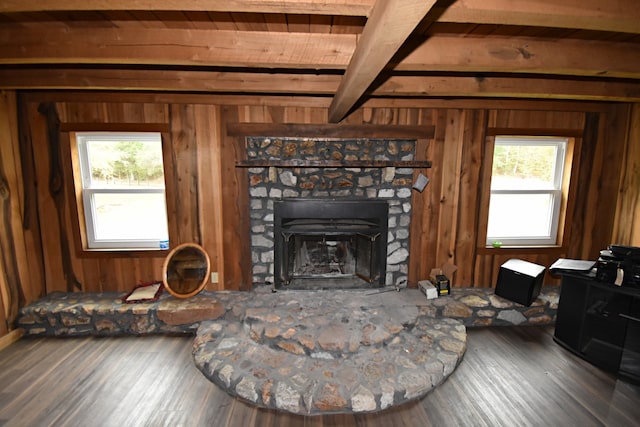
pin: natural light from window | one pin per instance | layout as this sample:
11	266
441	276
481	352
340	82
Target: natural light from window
526	190
123	189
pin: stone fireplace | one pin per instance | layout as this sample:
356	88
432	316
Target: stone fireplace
352	250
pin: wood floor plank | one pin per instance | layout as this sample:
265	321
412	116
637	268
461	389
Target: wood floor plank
509	376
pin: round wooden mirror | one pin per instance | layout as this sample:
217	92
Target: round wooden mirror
185	270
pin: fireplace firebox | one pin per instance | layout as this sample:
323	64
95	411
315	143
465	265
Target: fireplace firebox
330	243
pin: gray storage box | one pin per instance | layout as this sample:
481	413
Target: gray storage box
520	281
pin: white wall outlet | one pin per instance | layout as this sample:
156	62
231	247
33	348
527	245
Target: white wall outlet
214	277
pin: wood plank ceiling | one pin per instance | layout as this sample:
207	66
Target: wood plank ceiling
345	50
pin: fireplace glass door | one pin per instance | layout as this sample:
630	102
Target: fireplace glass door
366	259
330	244
330	257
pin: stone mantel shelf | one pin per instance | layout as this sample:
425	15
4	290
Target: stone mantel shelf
298	163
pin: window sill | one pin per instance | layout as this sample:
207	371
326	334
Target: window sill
124	253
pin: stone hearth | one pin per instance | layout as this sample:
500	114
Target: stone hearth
344	352
306	352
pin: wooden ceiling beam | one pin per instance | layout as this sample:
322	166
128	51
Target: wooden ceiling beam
316	84
152	46
168	80
440	53
509	87
524	55
323	7
390	24
310	102
611	15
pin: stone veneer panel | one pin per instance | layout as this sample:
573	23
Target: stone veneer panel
269	184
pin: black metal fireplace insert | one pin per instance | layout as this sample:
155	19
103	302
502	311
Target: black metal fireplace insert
330	243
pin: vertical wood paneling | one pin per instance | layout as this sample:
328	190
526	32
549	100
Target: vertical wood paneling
235	206
418	235
594	179
20	269
450	187
91	274
4	307
184	179
470	173
47	211
13	262
420	242
155	113
614	141
109	276
598	183
484	187
12	187
207	122
318	115
570	185
208	195
627	222
112	112
358	116
273	114
424	258
532	119
171	192
31	226
483	271
579	231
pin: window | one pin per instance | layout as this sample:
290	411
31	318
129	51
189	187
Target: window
122	189
526	190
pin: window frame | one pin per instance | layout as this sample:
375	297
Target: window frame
85	192
558	192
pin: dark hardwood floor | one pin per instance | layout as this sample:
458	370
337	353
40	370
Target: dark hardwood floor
511	376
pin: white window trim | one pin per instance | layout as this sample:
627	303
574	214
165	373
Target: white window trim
555	193
88	191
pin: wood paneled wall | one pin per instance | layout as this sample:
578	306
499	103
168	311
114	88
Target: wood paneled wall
21	280
193	157
627	221
208	195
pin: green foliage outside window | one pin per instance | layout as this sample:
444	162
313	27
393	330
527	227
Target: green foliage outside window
529	162
126	162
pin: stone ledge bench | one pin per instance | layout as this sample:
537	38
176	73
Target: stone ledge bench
84	313
104	314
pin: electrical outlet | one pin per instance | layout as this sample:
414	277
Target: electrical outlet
214	277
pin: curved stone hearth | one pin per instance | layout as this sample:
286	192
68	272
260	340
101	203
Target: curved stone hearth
345	351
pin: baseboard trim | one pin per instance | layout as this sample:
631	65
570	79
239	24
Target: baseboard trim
11	337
